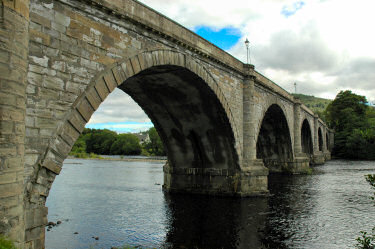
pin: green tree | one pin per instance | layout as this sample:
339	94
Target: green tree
155	145
126	144
347	111
80	145
352	120
100	141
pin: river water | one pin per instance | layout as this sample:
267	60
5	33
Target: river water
122	203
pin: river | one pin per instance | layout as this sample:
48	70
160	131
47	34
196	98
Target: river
122	203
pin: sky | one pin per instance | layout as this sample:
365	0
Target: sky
323	46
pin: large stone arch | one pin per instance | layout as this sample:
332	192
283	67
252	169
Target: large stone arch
274	143
102	85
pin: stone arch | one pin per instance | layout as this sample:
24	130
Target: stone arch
114	76
274	144
270	101
306	138
320	139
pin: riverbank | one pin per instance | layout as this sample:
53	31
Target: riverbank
121	158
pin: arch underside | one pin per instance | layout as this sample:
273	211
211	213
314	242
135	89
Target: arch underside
188	116
320	139
306	139
274	140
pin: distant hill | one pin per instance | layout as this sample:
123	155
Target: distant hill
316	104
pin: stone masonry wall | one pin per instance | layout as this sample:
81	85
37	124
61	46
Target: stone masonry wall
71	44
14	23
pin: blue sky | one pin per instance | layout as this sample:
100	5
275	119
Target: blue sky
123	127
289	10
225	38
290	41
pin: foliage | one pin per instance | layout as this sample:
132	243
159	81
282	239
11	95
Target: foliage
100	141
126	144
6	243
317	105
155	146
354	124
94	142
367	241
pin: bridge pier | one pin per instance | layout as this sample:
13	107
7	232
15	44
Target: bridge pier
255	174
14	36
216	182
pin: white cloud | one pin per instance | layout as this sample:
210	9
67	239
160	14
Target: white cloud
118	107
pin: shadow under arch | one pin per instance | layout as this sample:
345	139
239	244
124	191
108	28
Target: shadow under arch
188	116
320	139
274	144
327	142
306	139
200	149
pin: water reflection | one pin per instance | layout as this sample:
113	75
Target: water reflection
210	222
122	203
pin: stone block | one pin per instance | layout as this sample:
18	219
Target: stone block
58	27
39	37
59	65
40	20
75	88
45	122
69	134
67	97
8	177
135	64
34	234
11	114
119	75
77	121
12	201
61	147
31	159
62	19
36	217
52	166
101	88
93	97
85	109
11	189
127	68
6	127
110	80
53	83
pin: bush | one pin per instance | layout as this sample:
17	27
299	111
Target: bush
6	243
366	240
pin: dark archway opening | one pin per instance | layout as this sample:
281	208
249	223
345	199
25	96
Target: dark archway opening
306	139
274	144
327	142
188	116
320	138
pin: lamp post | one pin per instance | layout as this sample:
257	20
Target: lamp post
247	43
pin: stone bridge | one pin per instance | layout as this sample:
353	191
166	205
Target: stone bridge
224	125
